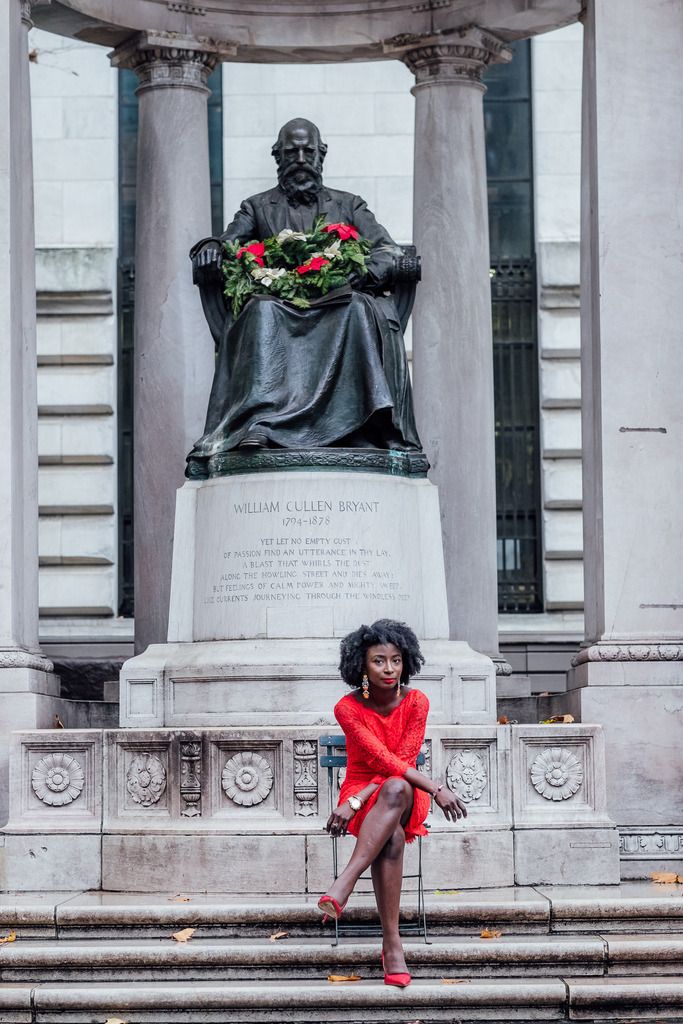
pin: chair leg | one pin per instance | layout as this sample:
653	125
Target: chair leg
421	907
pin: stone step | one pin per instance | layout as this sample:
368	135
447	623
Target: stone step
632	907
238	960
302	1002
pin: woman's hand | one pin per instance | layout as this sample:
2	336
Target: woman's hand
451	805
338	821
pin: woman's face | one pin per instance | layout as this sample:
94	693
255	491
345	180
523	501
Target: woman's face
384	665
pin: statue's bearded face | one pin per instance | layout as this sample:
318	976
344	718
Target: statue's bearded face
299	157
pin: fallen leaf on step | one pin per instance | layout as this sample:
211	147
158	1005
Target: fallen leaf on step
447	892
665	876
184	934
342	977
503	720
279	935
490	933
558	720
179	899
455	981
115	1020
12	937
58	723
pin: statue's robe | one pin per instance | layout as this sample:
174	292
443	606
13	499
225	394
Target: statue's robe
330	375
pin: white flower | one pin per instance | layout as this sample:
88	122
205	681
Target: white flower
266	275
333	251
287	234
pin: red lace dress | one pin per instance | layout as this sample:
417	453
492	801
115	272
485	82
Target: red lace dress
381	746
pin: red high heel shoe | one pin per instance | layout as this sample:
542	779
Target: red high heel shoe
398	980
331	910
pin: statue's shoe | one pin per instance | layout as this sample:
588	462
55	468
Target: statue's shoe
255	440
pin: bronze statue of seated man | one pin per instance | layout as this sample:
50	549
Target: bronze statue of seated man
332	375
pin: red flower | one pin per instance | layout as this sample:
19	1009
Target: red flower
315	263
345	231
256	249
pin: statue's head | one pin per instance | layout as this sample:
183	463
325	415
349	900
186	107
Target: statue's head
299	154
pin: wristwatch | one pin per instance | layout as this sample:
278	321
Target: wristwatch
355	803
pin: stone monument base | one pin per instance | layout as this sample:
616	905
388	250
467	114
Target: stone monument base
639	701
285	682
243	810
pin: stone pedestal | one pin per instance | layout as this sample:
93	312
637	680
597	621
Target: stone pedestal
452	341
630	674
28	691
214	810
173	349
269	571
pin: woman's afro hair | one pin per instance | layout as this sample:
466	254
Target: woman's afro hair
354	647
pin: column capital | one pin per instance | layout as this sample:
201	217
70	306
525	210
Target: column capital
167	60
463	60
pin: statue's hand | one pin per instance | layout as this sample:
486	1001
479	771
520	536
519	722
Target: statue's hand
206	266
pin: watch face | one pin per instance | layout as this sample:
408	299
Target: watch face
355	803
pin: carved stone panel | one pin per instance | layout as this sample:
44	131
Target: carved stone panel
559	775
467	774
191	778
305	778
56	775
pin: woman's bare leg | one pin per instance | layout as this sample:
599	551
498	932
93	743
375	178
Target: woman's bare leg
393	803
387	879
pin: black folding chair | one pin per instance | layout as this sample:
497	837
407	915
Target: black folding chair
334	758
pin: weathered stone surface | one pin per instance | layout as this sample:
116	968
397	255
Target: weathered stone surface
284	682
572	856
629	999
241	863
628	907
253	960
52	862
373	1001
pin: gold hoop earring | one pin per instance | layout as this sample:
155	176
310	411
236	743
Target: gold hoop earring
366	688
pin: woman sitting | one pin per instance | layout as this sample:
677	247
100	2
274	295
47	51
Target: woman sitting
384	799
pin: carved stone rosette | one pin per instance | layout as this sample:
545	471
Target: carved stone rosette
191	778
466	775
556	774
463	61
247	779
57	779
305	778
146	779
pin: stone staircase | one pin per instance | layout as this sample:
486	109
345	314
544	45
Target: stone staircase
564	953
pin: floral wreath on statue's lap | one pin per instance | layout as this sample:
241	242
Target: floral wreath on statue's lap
294	266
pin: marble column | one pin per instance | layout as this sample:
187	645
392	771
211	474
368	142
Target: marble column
174	355
452	340
28	689
629	675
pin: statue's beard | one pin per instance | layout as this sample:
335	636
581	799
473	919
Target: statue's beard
301	183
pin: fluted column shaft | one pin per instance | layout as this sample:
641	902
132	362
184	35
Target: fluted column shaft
173	359
452	343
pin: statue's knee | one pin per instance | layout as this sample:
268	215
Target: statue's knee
396	792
